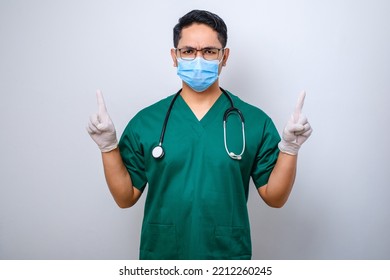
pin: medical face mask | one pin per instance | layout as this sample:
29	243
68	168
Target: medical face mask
199	74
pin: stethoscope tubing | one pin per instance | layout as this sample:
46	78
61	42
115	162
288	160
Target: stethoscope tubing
167	117
158	151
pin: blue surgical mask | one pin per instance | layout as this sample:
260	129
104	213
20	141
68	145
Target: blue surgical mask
199	74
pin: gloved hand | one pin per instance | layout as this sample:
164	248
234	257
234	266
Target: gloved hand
101	128
297	130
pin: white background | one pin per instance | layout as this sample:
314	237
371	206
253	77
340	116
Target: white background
54	203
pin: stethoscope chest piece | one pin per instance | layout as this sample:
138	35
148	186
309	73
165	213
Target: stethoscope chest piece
158	152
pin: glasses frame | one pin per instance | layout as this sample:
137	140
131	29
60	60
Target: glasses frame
178	52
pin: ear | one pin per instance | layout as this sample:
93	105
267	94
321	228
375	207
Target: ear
174	58
225	56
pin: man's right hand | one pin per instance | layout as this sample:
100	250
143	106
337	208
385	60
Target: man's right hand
101	128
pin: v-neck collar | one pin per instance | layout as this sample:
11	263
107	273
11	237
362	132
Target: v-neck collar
211	114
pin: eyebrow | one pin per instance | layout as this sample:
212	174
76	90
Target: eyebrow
208	47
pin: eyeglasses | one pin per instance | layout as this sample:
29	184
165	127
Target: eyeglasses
207	53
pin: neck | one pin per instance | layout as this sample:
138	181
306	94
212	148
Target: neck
210	94
201	102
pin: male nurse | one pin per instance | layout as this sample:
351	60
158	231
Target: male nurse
196	204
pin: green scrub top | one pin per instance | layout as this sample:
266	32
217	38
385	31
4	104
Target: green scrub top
196	205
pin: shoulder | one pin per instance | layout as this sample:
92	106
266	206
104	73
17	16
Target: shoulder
156	111
260	123
247	109
149	118
156	108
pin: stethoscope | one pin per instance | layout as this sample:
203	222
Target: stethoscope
158	151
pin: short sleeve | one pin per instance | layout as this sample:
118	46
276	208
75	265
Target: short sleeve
132	154
267	154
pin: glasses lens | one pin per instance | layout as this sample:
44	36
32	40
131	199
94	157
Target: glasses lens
207	53
187	53
210	53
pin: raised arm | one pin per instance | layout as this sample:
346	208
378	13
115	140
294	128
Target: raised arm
102	131
276	192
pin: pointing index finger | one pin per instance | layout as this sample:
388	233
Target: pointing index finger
100	100
299	106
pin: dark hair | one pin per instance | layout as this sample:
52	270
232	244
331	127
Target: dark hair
200	16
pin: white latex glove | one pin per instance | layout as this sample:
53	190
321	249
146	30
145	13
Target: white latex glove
101	128
297	130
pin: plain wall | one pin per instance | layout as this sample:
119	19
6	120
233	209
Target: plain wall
54	203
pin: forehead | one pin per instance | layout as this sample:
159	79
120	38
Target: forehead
199	36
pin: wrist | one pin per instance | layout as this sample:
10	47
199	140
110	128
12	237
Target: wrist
289	148
109	148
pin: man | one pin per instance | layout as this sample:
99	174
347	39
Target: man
198	169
